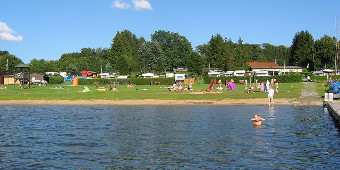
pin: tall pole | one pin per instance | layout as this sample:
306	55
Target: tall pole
336	45
7	65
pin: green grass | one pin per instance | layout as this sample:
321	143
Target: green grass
322	89
286	90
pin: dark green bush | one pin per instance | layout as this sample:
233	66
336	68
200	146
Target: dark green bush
322	79
289	78
319	78
147	81
137	81
56	79
286	78
101	81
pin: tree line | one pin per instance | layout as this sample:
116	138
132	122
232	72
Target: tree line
168	50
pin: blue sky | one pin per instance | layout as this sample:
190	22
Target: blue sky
46	29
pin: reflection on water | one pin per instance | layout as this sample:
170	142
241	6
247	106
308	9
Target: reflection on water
167	137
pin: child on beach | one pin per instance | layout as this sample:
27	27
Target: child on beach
276	86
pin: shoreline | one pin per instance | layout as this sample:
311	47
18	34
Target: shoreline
258	101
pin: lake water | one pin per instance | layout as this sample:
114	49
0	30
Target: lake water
167	137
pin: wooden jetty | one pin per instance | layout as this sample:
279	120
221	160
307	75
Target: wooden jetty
333	109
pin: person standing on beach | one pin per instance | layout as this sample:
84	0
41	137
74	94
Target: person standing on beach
270	95
267	85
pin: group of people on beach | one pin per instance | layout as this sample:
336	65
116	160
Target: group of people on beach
227	84
179	87
265	87
262	86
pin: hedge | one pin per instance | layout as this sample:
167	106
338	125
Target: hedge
286	78
319	78
56	79
147	81
323	79
136	81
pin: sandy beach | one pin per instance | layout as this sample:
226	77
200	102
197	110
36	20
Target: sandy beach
260	101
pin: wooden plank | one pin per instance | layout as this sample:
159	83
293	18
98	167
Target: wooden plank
334	110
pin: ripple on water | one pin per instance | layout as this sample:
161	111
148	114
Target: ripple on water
167	137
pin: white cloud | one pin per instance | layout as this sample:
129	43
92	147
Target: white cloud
6	33
142	5
120	5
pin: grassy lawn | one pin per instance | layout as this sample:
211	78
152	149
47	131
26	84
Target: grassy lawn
322	89
286	90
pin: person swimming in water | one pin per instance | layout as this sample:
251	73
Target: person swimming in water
257	120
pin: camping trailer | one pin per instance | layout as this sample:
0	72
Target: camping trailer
239	72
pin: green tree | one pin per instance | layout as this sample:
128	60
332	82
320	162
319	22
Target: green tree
42	66
203	51
108	68
156	57
228	59
216	51
176	48
143	57
3	52
132	63
195	63
87	59
283	54
324	52
122	66
151	57
240	54
256	52
269	52
72	70
302	50
12	61
124	43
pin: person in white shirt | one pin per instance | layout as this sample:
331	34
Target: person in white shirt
270	95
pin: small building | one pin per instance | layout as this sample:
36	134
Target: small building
63	74
2	77
289	69
123	77
148	75
239	73
111	76
38	78
179	78
184	78
214	73
318	73
103	75
52	73
272	69
180	69
89	74
9	79
261	73
328	71
169	75
22	76
212	69
229	73
107	75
